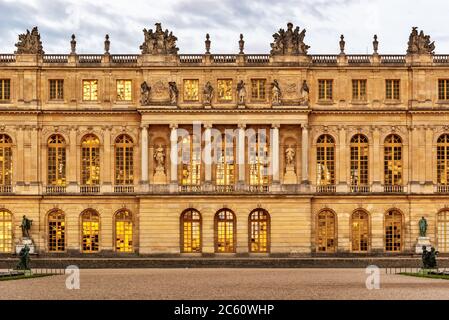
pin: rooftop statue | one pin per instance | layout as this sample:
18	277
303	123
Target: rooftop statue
420	43
159	42
30	43
289	42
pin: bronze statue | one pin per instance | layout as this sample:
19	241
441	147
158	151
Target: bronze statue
429	258
26	226
24	255
422	227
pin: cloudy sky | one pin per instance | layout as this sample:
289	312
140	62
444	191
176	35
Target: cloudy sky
224	20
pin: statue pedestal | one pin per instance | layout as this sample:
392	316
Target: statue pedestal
160	177
290	176
422	241
241	106
29	243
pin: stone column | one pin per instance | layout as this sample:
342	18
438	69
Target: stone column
72	163
305	155
174	158
428	182
144	158
108	158
35	160
376	161
20	158
275	153
241	154
341	166
207	156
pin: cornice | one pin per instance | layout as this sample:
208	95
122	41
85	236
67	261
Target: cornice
224	110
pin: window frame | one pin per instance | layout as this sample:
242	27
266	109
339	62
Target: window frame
182	221
327	90
259	89
5	89
224	99
234	230
251	222
59	89
393	90
125	82
357	95
91	81
184	91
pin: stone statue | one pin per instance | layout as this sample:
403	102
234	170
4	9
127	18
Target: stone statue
420	43
24	256
30	43
342	44
73	45
107	44
174	92
422	227
159	42
241	92
375	44
275	93
26	226
304	93
289	42
429	258
159	158
290	155
145	90
208	93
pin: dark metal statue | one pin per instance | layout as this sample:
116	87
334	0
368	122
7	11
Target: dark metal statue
24	255
422	227
26	226
429	258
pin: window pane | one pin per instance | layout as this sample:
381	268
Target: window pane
258	89
90	90
191	90
225	89
124	90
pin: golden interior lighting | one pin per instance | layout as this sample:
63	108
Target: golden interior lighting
57	89
360	231
325	89
124	90
90	160
443	231
443	89
359	160
90	90
124	160
5	160
90	222
325	235
225	229
123	231
443	159
325	160
6	225
393	160
5	89
359	90
56	160
191	161
225	89
393	230
392	89
259	160
191	231
225	164
258	89
191	87
259	226
56	231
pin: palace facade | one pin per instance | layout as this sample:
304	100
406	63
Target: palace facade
279	154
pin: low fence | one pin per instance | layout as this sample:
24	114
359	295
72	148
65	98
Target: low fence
415	270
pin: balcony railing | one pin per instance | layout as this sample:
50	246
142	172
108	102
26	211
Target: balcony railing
89	58
257	58
224	58
190	188
441	58
55	189
358	59
392	59
123	189
258	188
89	189
55	58
190	58
224	189
124	58
330	188
360	188
442	188
393	188
7	58
5	189
324	59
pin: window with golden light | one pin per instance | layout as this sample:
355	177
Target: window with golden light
90	160
56	162
259	235
225	161
124	231
6	225
190	160
359	160
443	231
325	160
392	89
359	90
325	89
124	160
393	160
258	89
325	232
360	231
191	231
5	160
443	159
191	88
259	161
90	90
56	89
124	90
225	230
90	225
393	231
443	89
56	231
224	89
5	89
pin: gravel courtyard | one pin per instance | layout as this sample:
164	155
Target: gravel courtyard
250	284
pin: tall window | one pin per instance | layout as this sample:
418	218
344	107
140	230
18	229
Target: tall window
191	89
123	231
225	161
325	89
124	90
124	160
359	160
325	233
392	89
259	227
191	231
5	89
393	160
90	160
90	223
56	231
225	89
259	160
5	160
443	159
443	231
90	90
258	89
6	225
57	89
360	231
393	231
359	90
443	89
56	160
191	160
325	160
225	229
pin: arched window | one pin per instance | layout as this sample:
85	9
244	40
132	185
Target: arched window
123	231
5	160
325	160
124	160
359	160
191	160
259	227
443	231
56	160
360	231
325	233
225	162
90	224
259	160
56	231
191	231
225	228
6	225
90	160
393	160
393	231
443	159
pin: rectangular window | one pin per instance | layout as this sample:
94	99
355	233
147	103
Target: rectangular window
5	89
392	89
325	89
90	90
191	89
56	89
225	89
359	90
258	89
443	89
124	90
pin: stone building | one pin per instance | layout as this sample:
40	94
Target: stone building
281	154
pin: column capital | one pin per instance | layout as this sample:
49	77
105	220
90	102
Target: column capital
305	126
144	127
241	125
275	125
207	125
173	126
